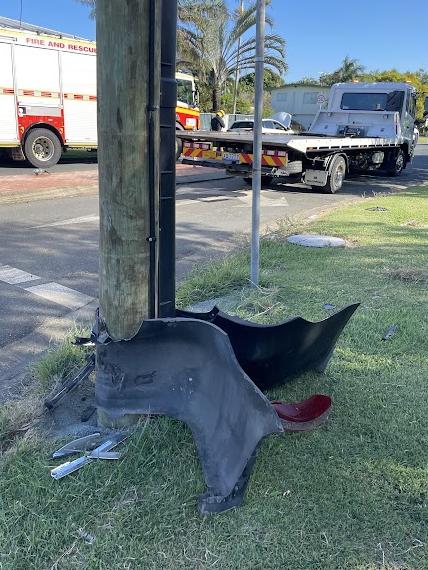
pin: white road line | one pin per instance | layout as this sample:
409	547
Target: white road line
185	203
15	276
202	200
219	198
71	221
61	295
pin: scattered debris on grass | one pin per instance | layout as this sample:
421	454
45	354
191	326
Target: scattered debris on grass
413	274
86	536
390	332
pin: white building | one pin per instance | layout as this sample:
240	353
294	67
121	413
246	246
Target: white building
301	101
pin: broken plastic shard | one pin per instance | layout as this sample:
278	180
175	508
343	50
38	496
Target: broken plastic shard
87	536
390	332
88	442
303	416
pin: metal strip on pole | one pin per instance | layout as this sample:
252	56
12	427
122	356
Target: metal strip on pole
257	145
238	55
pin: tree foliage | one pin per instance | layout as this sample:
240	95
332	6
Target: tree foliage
92	4
350	70
208	35
271	80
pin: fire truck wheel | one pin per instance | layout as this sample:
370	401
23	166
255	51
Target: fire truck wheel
178	148
42	148
336	175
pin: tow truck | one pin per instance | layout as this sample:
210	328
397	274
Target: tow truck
366	127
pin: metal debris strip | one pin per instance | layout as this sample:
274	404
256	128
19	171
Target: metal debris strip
390	332
377	209
103	451
70	384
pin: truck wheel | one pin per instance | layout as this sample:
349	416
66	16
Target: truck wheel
42	148
395	162
336	175
266	180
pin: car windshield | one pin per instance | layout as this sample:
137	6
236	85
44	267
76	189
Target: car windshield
185	91
373	101
242	125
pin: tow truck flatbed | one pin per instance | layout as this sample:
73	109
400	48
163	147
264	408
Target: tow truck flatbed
304	143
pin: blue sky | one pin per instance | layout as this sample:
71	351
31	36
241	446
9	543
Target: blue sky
319	34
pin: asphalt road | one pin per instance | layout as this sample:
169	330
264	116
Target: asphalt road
51	246
71	161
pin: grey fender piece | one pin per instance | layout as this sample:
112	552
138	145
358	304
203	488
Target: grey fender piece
270	354
186	369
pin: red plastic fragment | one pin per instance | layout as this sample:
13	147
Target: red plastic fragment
303	416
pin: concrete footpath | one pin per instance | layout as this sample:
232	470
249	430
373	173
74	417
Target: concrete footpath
42	185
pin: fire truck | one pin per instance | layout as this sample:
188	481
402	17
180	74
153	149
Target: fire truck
48	98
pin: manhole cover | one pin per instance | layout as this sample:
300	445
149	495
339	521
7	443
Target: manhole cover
309	240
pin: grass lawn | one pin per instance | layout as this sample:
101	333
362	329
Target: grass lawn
350	496
423	140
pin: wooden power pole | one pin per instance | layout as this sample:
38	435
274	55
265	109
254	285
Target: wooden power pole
128	62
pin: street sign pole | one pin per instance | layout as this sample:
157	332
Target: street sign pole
257	145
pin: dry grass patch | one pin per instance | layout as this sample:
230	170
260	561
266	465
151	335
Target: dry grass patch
412	274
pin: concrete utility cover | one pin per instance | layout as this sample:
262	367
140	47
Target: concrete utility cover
309	240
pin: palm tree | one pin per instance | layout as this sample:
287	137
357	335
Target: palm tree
92	4
350	70
208	43
213	42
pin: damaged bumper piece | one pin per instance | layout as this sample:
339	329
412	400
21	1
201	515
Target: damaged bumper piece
270	354
208	370
186	369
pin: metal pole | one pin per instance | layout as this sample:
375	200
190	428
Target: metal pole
257	146
238	54
167	161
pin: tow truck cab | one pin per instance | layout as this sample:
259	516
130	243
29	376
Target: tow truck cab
385	110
